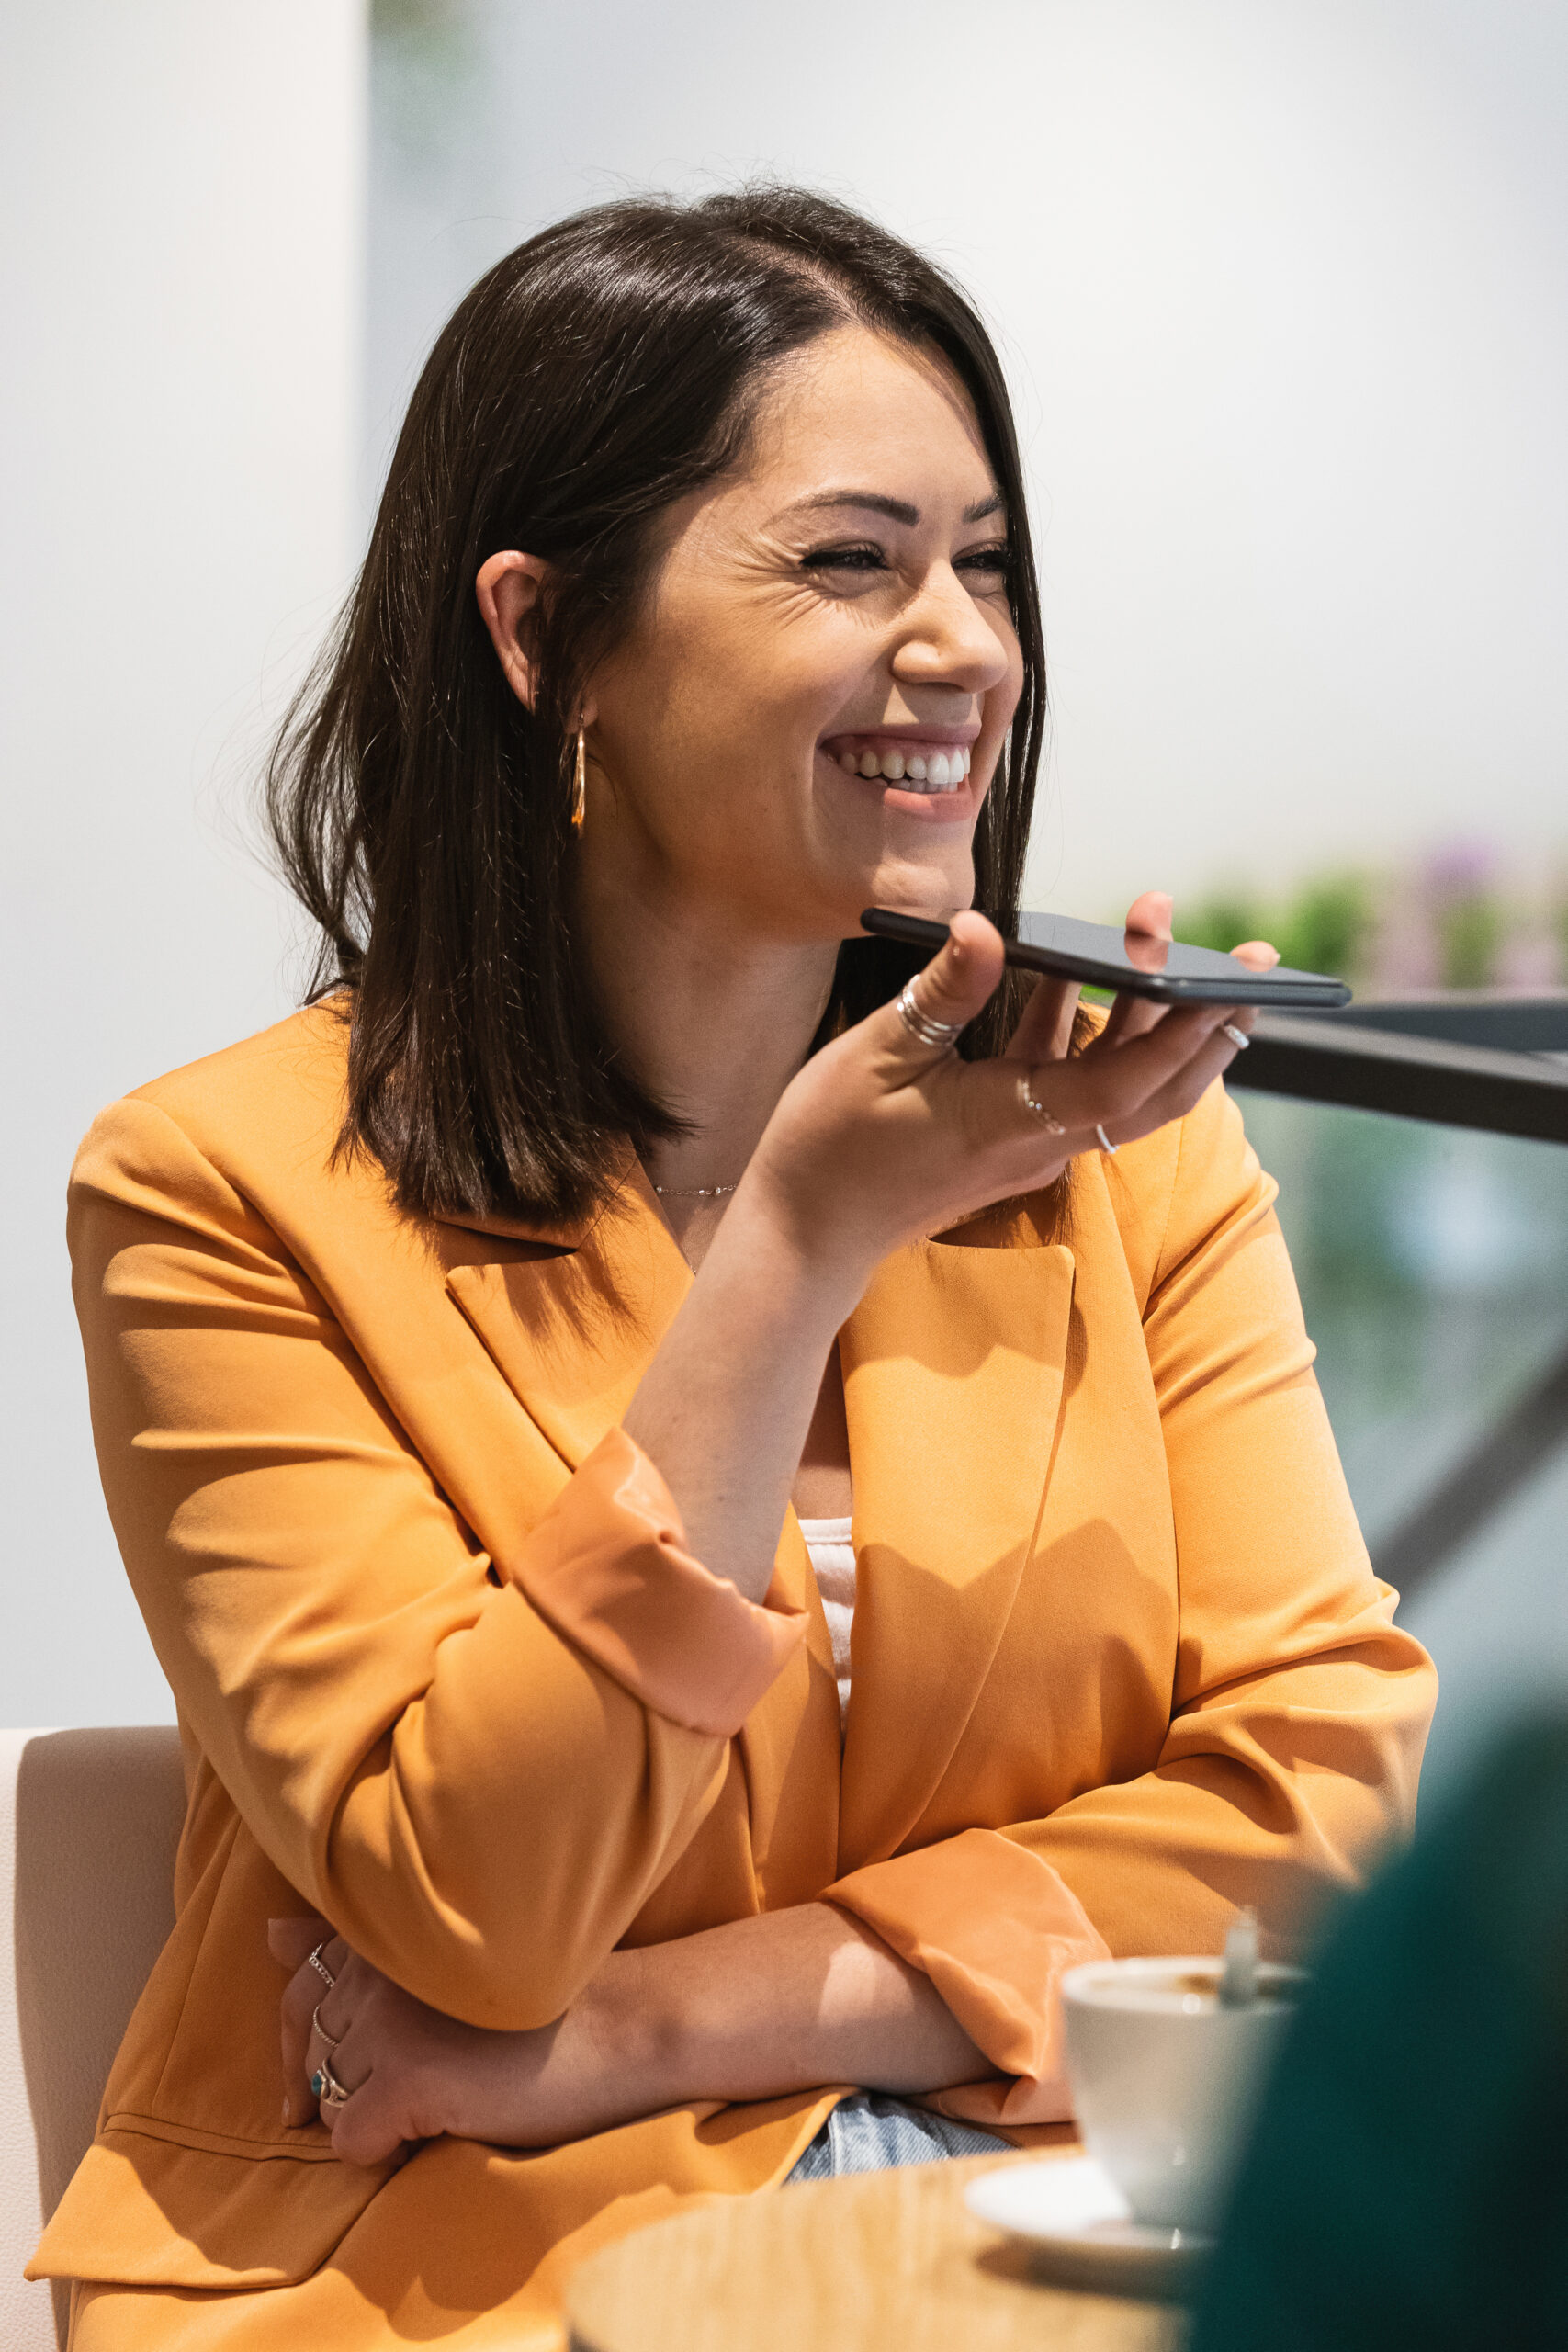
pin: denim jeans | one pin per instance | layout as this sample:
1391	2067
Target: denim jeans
870	2131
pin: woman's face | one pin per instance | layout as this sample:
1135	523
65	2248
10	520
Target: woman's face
823	625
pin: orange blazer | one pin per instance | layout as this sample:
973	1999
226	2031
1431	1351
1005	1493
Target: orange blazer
447	1673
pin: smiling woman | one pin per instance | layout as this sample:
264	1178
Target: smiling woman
733	440
709	1540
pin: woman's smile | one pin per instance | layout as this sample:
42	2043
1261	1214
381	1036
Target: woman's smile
922	771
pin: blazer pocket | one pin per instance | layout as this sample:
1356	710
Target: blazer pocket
154	2206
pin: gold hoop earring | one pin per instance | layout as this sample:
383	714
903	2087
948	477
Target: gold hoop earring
579	784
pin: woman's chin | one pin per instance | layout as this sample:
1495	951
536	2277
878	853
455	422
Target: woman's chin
916	888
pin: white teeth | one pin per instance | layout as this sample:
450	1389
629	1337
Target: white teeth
916	771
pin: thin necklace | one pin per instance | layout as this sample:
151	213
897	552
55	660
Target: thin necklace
695	1192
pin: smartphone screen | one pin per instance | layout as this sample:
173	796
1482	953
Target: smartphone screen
1131	961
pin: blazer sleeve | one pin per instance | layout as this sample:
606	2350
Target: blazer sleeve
1299	1709
476	1769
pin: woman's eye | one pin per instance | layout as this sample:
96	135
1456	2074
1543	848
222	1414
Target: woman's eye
994	560
861	557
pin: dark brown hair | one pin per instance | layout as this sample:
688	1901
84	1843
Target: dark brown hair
421	813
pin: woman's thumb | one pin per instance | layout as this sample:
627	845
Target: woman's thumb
953	987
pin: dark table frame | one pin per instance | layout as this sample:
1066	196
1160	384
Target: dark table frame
1487	1059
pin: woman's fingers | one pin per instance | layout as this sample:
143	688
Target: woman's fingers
290	1941
953	987
368	2128
306	1987
1129	1017
329	2034
1044	1028
1149	915
1176	1097
1258	954
1147	938
1110	1084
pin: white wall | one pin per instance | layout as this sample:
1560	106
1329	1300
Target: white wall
180	439
1285	288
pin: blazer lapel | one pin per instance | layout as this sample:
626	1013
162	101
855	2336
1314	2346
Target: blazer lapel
953	1369
572	1335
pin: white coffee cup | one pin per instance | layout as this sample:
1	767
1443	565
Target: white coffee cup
1164	2079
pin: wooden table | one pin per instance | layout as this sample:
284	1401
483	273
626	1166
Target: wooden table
879	2262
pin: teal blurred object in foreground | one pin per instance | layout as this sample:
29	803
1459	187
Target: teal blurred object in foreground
1407	2179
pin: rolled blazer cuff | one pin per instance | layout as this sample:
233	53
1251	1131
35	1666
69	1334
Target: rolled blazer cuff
609	1568
996	1929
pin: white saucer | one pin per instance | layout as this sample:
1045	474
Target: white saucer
1077	2221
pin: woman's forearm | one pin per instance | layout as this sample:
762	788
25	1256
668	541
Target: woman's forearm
723	1409
792	2001
787	2001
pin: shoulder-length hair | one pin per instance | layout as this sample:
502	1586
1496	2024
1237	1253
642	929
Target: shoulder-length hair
421	814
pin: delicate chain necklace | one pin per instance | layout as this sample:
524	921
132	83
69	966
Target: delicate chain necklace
695	1192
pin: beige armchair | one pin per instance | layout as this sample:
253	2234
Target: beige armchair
88	1826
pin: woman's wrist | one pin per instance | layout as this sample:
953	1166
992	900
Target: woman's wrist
808	1274
785	2001
629	2035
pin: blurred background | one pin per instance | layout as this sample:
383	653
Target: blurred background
1282	286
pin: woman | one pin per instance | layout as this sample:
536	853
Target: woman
470	1353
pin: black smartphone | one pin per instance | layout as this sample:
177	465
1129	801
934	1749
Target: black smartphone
1097	952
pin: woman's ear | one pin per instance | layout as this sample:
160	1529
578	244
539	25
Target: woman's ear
509	588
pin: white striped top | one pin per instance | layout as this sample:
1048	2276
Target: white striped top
833	1565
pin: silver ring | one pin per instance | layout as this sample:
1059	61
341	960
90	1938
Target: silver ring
326	2089
1048	1120
317	2026
313	1959
1105	1143
1239	1037
921	1027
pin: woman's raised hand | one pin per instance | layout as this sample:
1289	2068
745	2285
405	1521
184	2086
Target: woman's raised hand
882	1138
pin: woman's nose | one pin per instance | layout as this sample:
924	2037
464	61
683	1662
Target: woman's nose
947	638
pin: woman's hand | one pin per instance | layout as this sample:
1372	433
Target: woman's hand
881	1138
412	2074
781	2002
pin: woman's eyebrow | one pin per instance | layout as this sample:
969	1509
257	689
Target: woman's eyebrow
897	510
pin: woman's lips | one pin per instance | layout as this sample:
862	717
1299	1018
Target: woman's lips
919	767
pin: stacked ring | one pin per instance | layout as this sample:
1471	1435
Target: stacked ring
1239	1037
1105	1143
313	1959
921	1027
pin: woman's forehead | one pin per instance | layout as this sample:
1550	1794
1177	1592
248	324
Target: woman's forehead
857	413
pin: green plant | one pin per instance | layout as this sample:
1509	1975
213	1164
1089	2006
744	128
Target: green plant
1326	927
1469	932
1222	922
